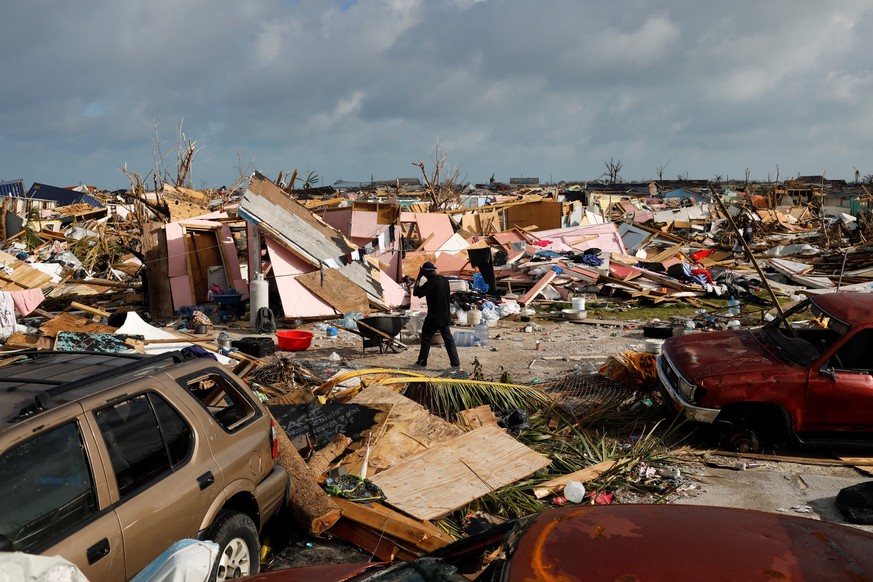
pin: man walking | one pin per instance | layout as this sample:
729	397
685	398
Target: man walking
435	289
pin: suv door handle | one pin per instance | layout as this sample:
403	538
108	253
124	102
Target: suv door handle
97	551
205	480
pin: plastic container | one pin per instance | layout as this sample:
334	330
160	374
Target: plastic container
653	345
330	331
578	303
574	491
463	339
293	340
733	307
259	347
474	317
480	334
350	319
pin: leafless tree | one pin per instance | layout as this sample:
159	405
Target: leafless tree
613	170
660	169
443	184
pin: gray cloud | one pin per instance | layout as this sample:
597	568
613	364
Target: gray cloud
353	89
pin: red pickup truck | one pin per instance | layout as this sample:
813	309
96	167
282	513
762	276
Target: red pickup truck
809	372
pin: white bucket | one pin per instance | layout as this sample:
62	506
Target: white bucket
474	317
653	346
578	303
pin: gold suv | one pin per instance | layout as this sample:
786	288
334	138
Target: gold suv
107	459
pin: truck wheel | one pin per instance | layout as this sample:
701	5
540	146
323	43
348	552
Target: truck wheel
238	544
743	440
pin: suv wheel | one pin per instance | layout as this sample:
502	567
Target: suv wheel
744	441
239	546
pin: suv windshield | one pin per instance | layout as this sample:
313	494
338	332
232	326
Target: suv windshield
804	332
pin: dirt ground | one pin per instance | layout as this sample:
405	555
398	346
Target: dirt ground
532	351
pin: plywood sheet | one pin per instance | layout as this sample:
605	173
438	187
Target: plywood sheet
336	290
405	430
70	322
456	472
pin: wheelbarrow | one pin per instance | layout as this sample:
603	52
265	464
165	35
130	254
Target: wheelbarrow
381	331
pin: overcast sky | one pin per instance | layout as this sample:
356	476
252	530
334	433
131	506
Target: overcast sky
354	89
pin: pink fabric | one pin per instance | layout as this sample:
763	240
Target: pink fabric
26	301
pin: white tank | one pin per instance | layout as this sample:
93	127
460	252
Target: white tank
258	296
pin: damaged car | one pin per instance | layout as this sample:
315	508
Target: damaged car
628	542
806	375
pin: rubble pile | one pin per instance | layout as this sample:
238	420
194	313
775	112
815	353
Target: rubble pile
407	456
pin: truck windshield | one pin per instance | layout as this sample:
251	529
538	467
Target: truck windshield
804	332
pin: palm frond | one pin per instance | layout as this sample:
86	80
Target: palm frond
446	397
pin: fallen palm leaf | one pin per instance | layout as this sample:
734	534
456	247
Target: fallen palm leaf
446	397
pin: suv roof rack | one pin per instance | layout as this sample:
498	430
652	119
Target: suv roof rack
43	399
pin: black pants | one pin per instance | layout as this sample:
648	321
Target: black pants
429	328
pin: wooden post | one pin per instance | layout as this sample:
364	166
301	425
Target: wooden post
157	270
748	251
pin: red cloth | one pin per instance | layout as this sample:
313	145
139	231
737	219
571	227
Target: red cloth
701	254
704	272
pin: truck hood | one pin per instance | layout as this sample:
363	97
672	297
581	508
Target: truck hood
702	355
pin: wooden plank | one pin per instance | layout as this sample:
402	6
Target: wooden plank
23	276
537	288
440	480
406	430
88	309
370	541
583	476
422	535
863	464
336	290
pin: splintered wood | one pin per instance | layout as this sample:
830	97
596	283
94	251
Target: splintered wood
436	482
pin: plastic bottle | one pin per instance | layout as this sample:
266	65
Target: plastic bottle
574	491
733	307
480	332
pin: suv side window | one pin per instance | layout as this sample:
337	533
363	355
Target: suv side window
856	355
223	400
146	438
47	489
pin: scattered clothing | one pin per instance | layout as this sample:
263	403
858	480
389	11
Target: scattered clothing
7	314
27	300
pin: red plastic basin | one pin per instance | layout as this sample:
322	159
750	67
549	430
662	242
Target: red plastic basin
293	340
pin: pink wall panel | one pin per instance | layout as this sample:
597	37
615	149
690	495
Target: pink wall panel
180	287
176	262
297	300
339	219
430	223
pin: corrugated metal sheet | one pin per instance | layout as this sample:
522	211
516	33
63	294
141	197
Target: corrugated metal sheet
12	188
62	196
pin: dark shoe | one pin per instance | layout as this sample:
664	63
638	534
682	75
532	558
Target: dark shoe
419	365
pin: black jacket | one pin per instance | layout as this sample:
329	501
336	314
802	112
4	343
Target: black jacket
436	291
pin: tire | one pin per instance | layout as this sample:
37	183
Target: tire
744	441
238	544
